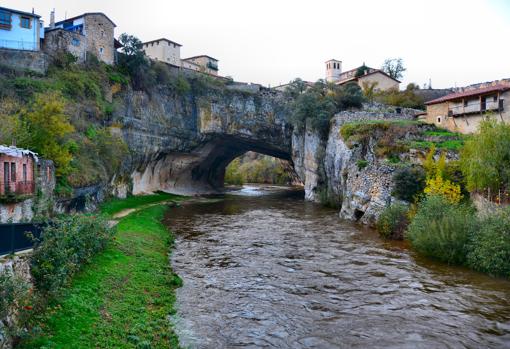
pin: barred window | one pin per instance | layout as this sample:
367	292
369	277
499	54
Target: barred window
25	22
5	20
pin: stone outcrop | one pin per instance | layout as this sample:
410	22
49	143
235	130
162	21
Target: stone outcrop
182	143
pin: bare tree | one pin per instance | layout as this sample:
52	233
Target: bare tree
394	67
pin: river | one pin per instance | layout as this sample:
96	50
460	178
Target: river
264	269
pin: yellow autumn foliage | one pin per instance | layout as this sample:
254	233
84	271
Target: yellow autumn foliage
439	186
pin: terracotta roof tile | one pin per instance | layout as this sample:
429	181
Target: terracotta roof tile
470	93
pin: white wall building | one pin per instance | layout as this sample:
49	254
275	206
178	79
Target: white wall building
163	50
203	63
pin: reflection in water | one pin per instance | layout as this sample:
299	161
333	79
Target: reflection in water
274	271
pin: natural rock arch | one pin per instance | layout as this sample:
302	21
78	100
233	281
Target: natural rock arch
196	138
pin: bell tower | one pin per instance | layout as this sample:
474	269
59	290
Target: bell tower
333	70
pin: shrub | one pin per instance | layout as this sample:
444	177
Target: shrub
442	230
14	299
393	221
409	182
445	188
67	244
361	164
490	246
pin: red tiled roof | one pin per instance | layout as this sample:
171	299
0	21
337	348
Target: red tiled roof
470	93
354	78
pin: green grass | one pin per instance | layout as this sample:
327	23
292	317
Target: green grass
117	205
122	298
454	144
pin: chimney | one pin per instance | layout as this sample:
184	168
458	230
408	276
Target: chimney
52	19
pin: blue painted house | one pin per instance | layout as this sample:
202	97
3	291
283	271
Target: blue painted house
20	30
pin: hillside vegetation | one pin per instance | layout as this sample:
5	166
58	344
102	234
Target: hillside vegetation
67	115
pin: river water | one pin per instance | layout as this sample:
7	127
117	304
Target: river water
264	269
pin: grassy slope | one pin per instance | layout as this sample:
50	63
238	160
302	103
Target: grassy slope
116	205
123	297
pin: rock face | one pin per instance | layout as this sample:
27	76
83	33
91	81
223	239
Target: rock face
182	144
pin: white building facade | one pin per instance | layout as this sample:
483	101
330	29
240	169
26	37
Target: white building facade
163	50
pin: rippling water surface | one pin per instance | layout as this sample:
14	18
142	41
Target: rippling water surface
266	269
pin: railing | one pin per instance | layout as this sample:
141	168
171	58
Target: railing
17	188
19	45
16	237
477	107
212	66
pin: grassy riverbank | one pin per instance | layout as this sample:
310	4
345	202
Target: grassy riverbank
122	299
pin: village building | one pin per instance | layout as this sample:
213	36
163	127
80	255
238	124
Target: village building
20	30
163	50
202	63
89	33
463	111
27	183
16	171
362	75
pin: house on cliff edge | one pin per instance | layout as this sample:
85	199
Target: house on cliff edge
89	33
20	30
463	110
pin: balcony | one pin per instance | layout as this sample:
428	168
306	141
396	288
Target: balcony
212	65
478	107
15	191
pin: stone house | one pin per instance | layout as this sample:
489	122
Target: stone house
463	111
202	63
163	50
20	30
27	183
89	33
361	75
16	171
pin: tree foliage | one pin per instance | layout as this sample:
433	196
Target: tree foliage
134	63
317	104
394	67
44	129
490	252
406	99
409	183
485	158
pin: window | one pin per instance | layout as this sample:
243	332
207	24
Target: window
13	171
495	98
101	50
438	119
25	173
76	42
25	22
5	19
465	102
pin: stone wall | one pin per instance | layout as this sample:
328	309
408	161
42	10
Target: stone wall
377	111
99	31
59	40
31	60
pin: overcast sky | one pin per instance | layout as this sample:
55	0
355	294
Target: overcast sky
452	42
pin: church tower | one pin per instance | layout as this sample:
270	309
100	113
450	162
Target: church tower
333	70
